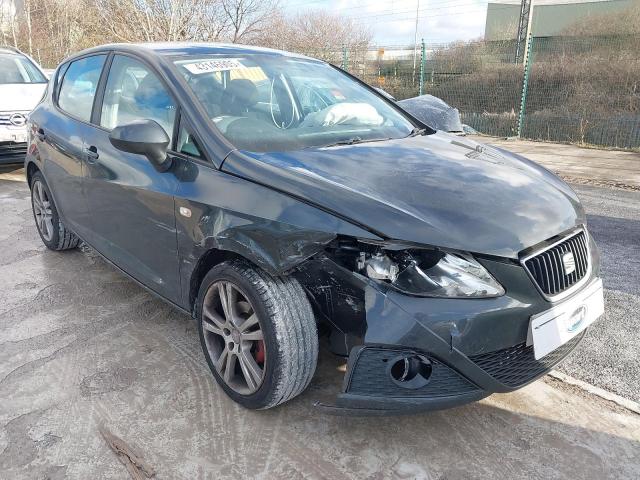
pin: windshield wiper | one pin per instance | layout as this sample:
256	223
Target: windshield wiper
348	141
354	140
417	131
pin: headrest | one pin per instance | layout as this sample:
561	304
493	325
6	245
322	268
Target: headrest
239	95
151	93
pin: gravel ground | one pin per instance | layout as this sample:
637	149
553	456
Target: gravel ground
608	357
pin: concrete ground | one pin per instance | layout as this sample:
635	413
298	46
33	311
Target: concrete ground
82	348
578	164
608	357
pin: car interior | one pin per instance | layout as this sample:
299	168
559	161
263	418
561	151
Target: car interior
287	108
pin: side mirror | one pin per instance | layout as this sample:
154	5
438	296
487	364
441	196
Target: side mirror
144	137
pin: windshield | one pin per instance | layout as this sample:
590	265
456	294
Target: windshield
18	69
267	103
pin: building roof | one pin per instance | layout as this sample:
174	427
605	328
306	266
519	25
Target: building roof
9	49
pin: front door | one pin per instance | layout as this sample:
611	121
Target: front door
131	203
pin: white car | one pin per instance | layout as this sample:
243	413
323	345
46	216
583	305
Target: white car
22	84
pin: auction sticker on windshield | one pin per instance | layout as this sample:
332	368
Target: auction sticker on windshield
556	326
215	65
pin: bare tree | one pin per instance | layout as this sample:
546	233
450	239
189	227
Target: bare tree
6	16
149	20
248	19
318	34
53	29
9	20
213	22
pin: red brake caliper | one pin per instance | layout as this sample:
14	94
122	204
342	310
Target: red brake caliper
259	354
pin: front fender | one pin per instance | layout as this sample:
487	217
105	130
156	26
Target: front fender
273	230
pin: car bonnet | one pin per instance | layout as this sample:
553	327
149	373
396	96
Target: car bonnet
438	189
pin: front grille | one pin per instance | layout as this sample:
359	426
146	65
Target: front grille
12	151
547	267
5	118
370	376
515	366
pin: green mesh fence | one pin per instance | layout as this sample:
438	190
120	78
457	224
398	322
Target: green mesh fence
585	90
582	90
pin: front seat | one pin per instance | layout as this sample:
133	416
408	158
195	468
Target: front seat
239	95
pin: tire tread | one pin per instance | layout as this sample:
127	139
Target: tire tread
293	320
66	240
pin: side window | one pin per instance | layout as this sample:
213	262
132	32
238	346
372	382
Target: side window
187	143
79	86
133	92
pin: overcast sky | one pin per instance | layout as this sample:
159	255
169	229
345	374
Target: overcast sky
392	22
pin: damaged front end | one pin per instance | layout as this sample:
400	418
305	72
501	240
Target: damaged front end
421	327
412	320
338	279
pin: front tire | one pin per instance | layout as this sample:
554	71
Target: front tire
258	334
50	228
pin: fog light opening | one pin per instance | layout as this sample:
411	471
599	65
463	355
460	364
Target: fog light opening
411	371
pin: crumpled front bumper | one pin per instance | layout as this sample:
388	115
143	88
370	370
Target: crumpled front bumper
474	347
371	390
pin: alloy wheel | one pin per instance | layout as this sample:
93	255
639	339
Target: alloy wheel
42	210
234	337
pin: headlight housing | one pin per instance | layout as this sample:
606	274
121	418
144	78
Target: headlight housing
426	272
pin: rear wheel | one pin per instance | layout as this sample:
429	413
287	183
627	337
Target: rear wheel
258	334
51	229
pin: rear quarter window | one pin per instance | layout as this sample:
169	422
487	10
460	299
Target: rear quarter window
79	85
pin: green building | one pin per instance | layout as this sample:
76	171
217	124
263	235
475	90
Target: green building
550	17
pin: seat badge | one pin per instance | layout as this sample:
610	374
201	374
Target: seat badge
569	263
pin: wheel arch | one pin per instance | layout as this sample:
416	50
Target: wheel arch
275	251
31	169
208	260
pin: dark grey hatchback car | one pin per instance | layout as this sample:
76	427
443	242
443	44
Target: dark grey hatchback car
275	198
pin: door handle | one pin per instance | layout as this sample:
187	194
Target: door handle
41	135
92	154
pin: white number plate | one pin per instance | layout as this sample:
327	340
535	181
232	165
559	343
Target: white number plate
19	137
550	329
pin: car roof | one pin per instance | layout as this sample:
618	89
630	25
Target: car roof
178	49
10	50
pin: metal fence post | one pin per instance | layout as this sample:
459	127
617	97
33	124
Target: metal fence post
525	84
422	63
345	58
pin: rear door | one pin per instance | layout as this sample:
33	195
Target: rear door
132	205
61	127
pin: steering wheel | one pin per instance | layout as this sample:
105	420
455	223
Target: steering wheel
294	108
316	101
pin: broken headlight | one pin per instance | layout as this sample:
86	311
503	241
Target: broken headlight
430	273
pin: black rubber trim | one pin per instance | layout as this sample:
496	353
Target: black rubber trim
362	406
